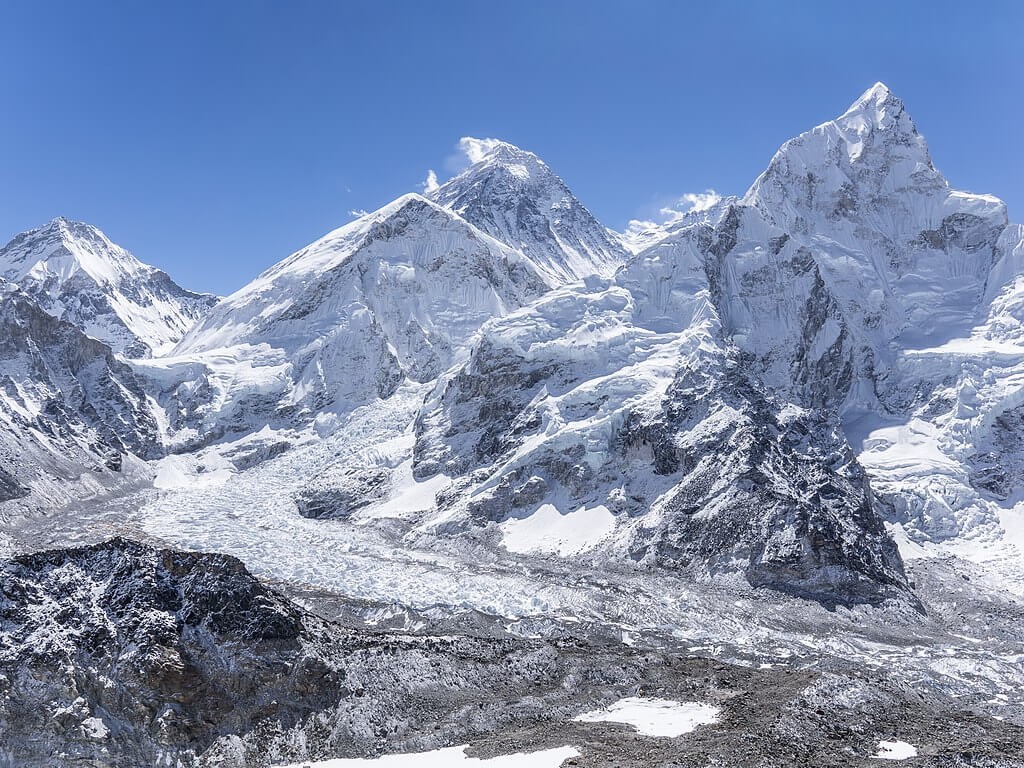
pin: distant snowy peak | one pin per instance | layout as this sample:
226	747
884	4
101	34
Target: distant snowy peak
512	195
75	273
871	156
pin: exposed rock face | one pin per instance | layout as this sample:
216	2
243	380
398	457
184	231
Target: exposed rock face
342	496
65	399
774	487
75	273
122	654
10	488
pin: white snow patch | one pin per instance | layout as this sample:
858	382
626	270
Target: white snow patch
548	530
655	717
449	756
95	728
895	750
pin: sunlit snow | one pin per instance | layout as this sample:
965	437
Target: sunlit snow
895	750
655	717
548	530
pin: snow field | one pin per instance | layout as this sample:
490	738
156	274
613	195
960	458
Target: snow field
895	750
655	717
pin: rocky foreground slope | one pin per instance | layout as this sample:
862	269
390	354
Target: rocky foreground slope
120	654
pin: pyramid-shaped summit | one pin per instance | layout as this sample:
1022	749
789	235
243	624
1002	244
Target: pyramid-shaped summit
512	195
76	273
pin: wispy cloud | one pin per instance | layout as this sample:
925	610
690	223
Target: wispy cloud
641	230
691	202
357	213
476	149
468	151
678	207
430	183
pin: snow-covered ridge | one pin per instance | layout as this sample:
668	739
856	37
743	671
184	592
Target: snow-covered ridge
847	259
392	297
77	274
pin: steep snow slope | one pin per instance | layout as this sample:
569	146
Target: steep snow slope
392	296
513	196
76	274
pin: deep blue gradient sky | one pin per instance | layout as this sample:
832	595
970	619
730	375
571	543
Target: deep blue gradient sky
214	138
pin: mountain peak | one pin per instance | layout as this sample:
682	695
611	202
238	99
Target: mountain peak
496	150
76	273
70	229
878	108
874	144
62	248
879	93
513	196
497	159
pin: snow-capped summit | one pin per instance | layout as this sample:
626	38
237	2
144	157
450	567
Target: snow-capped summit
878	108
512	195
874	144
905	251
76	273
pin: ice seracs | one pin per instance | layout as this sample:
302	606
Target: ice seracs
77	274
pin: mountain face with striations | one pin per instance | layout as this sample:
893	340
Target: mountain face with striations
75	273
71	411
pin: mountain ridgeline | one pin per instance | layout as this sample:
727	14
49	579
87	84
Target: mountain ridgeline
725	402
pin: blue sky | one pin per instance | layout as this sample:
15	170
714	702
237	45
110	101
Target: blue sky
214	138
